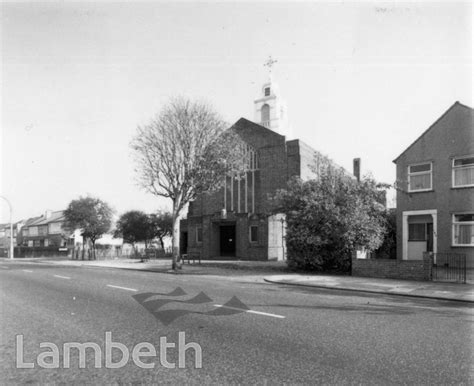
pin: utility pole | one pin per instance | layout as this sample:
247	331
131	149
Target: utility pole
11	226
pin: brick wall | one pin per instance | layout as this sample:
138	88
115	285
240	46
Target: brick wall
40	252
393	269
248	201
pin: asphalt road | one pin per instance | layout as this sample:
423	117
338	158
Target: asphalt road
286	334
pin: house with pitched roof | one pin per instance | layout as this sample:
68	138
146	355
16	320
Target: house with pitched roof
435	189
44	231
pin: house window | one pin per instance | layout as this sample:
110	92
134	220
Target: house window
55	227
199	234
36	243
420	177
43	230
33	231
417	232
463	172
25	231
463	229
267	91
254	234
46	242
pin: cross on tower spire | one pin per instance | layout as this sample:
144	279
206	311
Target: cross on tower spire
270	63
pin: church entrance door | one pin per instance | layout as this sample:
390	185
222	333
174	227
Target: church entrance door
227	240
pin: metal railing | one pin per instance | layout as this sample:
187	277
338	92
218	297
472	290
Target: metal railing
449	267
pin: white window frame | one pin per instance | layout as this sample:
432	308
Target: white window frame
250	233
460	167
453	225
410	190
197	234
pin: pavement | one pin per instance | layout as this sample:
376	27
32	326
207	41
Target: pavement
420	289
268	270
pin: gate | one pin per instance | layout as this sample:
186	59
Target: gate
449	267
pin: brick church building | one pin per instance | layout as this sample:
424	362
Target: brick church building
237	221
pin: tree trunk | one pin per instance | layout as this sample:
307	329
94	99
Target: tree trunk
83	247
135	255
175	236
162	243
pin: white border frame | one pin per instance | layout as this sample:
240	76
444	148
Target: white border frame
459	167
405	215
419	173
452	229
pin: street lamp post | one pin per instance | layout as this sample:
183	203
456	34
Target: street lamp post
11	226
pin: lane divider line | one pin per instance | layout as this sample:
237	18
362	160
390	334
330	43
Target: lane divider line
26	270
62	277
124	288
252	311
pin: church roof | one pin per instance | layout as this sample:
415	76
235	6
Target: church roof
246	124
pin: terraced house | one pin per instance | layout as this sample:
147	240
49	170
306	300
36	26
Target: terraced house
44	231
435	197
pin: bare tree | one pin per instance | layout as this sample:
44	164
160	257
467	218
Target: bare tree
185	150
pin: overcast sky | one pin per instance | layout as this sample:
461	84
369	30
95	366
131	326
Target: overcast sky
360	80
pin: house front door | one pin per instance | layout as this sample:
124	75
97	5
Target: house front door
429	237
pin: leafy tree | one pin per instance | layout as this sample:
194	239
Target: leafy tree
184	151
92	216
329	217
388	249
161	226
134	226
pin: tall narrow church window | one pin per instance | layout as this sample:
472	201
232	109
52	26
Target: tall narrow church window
266	115
254	234
251	159
267	91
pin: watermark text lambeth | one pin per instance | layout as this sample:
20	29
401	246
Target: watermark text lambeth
50	356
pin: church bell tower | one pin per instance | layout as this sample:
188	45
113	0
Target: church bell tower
270	108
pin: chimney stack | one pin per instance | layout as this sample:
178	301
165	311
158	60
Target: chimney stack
48	214
356	168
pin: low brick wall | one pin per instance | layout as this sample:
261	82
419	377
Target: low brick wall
40	252
393	269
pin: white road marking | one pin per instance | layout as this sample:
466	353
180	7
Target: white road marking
252	311
2	267
26	270
124	288
62	277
